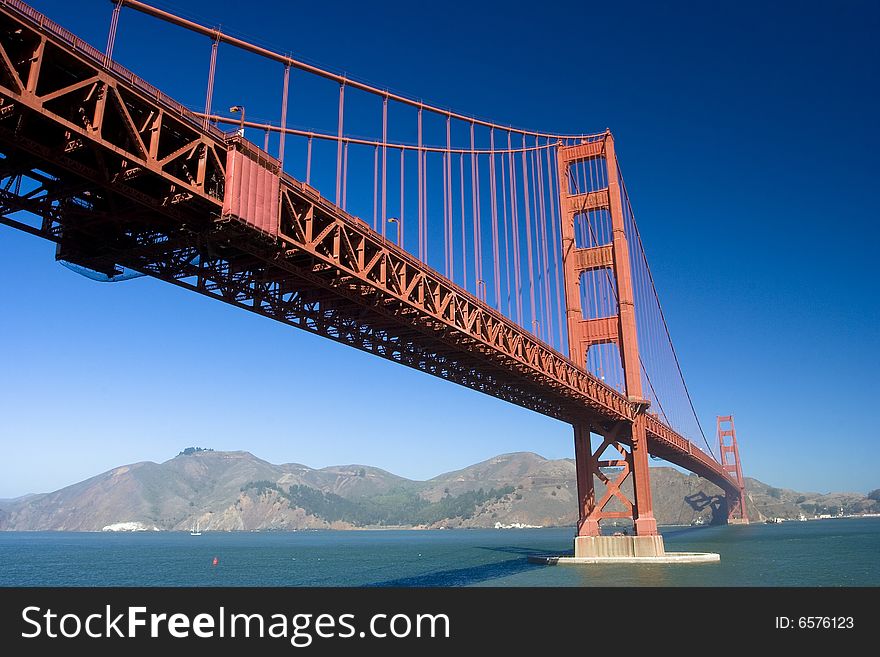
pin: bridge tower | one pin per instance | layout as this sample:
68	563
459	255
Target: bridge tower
580	199
729	454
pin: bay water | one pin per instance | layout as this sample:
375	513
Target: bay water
832	552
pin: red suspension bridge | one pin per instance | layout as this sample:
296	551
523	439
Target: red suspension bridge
476	252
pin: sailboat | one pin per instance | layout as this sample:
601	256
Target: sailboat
195	530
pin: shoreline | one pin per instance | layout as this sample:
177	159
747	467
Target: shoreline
155	530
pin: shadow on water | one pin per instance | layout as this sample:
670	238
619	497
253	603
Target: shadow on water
477	573
465	576
518	549
676	530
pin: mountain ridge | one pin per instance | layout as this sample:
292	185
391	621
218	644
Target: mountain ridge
236	490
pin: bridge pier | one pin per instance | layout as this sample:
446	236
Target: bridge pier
586	547
613	472
645	545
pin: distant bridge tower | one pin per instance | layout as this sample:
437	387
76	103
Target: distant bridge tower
579	204
729	454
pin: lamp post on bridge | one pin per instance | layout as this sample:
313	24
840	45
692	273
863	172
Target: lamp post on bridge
394	220
480	282
235	109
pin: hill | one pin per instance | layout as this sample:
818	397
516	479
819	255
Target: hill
223	491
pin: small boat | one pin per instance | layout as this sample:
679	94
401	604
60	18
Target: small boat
195	530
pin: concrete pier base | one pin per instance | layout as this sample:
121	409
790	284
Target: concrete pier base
618	546
624	549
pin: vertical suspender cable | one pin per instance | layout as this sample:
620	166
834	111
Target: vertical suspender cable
514	215
478	226
528	221
447	193
446	208
649	332
111	35
445	221
345	176
425	202
539	306
648	326
309	162
475	217
647	351
212	69
494	200
541	235
506	237
555	228
420	199
375	188
282	137
339	122
384	215
400	241
464	259
544	240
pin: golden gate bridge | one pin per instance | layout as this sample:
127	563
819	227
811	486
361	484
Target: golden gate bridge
502	259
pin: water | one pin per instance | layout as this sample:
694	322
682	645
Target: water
837	552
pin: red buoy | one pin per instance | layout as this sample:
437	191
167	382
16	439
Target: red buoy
215	562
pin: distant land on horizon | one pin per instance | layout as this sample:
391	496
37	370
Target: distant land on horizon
229	491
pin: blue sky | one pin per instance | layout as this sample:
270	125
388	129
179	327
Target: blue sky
748	136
